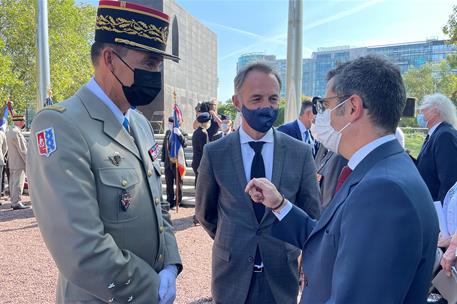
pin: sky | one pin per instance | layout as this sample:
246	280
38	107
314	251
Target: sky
245	26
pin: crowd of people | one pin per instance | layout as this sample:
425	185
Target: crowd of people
330	205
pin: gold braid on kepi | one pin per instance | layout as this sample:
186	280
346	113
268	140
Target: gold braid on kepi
133	26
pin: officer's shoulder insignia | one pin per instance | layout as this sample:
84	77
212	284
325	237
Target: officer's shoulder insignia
46	141
57	108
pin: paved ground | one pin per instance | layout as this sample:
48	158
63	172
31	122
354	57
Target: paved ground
28	273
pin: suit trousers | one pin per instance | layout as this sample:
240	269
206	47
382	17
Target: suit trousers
259	290
16	184
170	179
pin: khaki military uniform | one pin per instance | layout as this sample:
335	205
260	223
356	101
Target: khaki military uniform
104	253
17	155
3	151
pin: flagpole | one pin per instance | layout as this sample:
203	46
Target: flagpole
175	117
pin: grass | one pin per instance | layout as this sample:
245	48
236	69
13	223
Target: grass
414	141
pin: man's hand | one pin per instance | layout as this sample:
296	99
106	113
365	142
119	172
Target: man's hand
444	241
167	288
177	131
261	190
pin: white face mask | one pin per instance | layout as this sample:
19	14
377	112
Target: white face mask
170	126
224	127
325	133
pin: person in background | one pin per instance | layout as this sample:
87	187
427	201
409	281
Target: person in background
170	166
199	139
437	160
329	164
17	155
300	128
226	127
3	152
209	107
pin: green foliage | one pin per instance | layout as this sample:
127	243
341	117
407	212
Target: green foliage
450	28
282	107
431	78
413	141
71	30
227	108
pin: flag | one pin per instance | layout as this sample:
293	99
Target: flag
4	119
176	149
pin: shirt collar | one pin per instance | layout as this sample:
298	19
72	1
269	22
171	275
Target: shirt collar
360	154
245	138
302	127
98	91
432	129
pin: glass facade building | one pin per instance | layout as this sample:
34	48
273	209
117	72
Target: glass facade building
405	55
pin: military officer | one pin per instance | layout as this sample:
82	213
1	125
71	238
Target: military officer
17	155
94	172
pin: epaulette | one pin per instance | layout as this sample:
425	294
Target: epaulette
57	108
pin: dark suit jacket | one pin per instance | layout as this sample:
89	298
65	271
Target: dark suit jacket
328	171
166	147
292	129
225	211
437	161
376	241
199	139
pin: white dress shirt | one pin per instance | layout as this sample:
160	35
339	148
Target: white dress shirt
98	91
355	160
303	129
432	129
248	153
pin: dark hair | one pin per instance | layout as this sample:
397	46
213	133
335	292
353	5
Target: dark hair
380	85
339	67
256	66
305	105
97	47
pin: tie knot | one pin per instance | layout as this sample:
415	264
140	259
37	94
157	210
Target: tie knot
256	146
125	123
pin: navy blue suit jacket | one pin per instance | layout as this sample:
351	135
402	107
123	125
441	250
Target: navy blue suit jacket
292	129
437	161
376	241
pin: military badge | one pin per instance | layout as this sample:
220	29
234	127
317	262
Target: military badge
154	151
46	142
125	199
115	159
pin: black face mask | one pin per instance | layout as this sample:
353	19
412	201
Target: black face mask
145	87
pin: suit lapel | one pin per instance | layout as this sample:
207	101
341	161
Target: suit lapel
381	152
99	111
297	131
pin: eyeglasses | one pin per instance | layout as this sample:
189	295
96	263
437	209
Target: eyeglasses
321	104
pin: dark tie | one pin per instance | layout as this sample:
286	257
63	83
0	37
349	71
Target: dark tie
125	123
306	139
257	170
345	172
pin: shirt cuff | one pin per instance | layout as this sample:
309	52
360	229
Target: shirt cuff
284	211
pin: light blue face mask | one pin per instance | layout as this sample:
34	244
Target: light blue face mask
420	118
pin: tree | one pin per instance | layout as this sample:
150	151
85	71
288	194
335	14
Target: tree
71	30
431	78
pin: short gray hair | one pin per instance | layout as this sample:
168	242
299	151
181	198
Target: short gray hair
256	66
443	105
